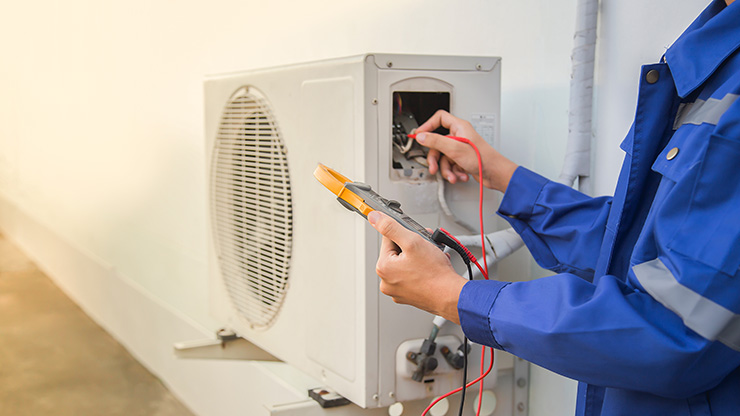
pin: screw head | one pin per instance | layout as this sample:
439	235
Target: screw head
376	397
478	67
389	64
520	406
521	382
375	101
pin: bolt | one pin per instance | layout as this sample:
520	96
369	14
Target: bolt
520	406
521	382
389	64
376	397
225	332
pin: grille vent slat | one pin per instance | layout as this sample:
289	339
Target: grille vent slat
274	237
252	208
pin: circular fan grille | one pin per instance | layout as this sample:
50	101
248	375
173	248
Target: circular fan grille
252	211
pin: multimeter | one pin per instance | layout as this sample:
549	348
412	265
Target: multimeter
360	198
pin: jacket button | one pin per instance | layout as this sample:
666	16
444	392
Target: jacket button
652	76
672	153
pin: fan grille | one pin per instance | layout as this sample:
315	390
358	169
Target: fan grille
251	206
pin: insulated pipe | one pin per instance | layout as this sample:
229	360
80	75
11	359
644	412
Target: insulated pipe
500	243
577	163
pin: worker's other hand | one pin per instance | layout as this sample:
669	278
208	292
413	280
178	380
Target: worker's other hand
415	272
455	160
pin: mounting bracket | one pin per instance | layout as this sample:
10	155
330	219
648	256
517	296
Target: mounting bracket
227	346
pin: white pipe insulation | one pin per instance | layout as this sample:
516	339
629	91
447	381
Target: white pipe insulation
577	162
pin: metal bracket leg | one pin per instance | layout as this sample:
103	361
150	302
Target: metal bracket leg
228	346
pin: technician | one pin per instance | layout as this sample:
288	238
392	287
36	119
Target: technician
645	307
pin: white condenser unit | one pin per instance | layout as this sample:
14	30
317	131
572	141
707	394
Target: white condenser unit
291	269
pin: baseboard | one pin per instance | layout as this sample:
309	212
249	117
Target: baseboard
147	327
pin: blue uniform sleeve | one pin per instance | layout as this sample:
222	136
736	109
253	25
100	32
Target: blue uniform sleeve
562	228
606	334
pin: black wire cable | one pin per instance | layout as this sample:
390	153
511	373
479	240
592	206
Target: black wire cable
465	351
441	236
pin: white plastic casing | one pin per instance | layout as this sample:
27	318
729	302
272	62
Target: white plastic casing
334	324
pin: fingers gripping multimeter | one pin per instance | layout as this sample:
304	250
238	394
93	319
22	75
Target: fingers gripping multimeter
360	198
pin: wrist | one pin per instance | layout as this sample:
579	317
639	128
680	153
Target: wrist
498	173
507	169
450	298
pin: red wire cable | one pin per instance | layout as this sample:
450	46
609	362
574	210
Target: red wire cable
482	376
467	253
474	260
482	243
480	390
480	196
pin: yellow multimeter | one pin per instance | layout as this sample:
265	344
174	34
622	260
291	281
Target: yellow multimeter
360	198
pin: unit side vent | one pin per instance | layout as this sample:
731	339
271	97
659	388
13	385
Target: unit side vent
251	206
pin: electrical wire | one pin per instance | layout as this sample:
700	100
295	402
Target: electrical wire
472	383
483	243
469	255
445	207
465	352
484	271
480	195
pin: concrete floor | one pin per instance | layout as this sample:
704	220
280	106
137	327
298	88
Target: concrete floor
55	360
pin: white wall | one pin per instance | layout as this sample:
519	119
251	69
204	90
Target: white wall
101	118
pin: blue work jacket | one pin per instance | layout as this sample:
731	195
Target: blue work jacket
645	307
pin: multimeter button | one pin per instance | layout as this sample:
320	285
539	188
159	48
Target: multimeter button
362	186
395	205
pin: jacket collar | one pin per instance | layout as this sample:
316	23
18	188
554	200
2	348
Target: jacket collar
702	48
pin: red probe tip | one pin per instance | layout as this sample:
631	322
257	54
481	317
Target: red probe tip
411	136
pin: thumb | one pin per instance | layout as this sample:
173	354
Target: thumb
445	145
390	228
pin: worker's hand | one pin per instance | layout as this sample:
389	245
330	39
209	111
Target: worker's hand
455	160
415	272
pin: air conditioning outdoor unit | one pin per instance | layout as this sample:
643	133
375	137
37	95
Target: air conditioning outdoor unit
292	270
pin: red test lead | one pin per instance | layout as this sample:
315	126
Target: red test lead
485	271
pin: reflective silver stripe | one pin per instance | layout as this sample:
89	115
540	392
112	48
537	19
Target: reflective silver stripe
702	315
701	111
